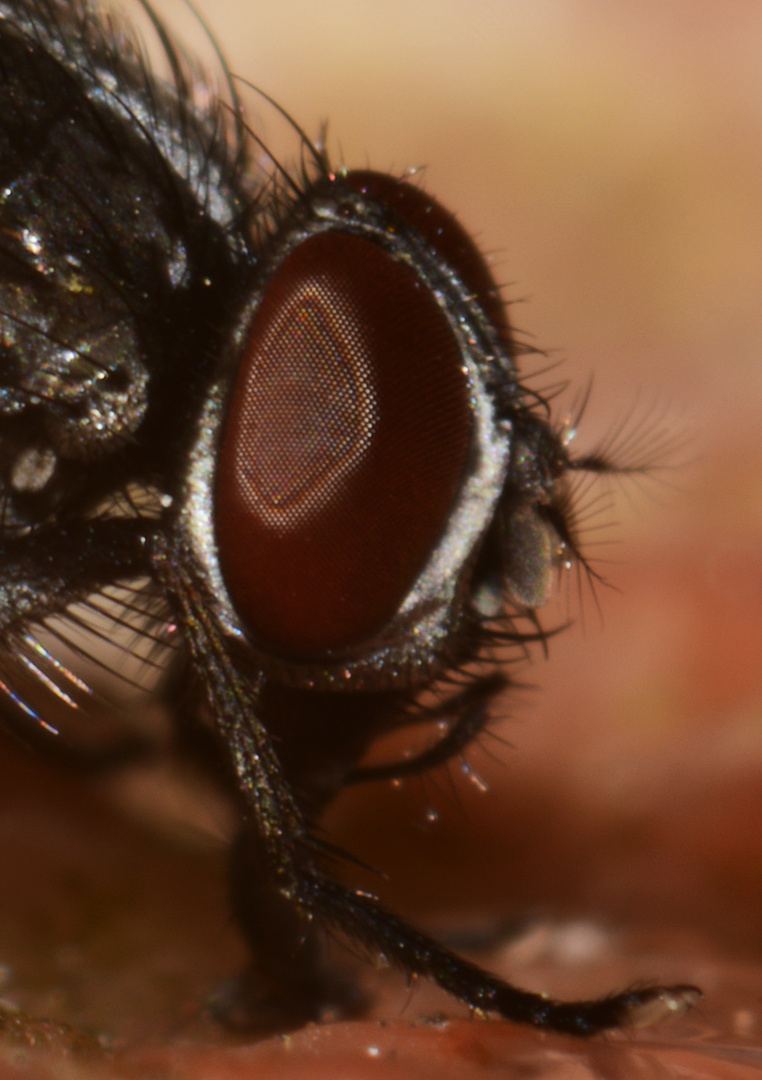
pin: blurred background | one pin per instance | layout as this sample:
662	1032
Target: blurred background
608	158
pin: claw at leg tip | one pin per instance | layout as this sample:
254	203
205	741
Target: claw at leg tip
666	1003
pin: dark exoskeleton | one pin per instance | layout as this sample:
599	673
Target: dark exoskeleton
287	413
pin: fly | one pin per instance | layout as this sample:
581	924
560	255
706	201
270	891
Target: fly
282	412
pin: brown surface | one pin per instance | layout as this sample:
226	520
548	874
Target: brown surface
610	155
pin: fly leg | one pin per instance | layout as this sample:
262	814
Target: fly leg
290	855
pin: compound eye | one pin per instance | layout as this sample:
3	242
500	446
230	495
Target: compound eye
439	228
344	446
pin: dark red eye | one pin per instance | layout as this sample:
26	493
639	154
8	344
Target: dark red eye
443	232
344	446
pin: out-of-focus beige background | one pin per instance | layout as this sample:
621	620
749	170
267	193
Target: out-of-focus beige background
608	156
